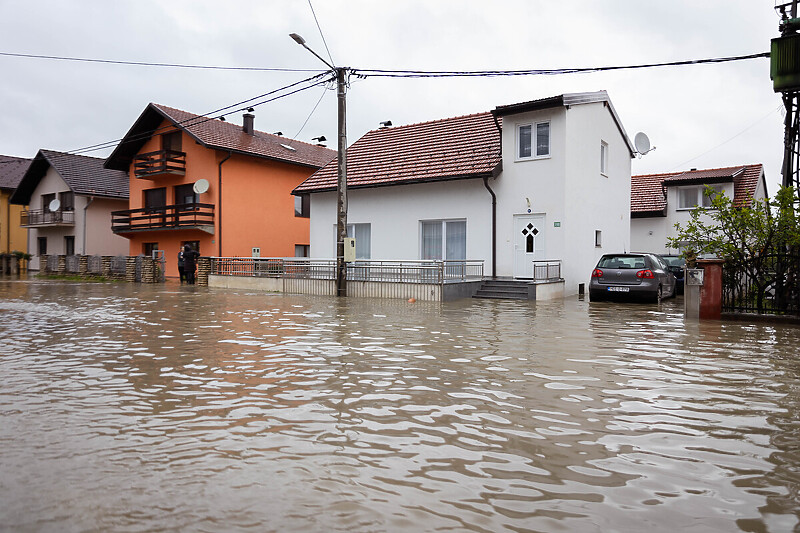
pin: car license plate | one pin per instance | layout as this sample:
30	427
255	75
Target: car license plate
619	289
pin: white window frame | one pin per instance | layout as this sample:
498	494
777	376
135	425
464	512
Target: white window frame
361	247
443	223
603	158
701	200
534	145
598	238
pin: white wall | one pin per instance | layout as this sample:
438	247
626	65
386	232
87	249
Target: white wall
395	214
566	187
663	228
594	201
539	180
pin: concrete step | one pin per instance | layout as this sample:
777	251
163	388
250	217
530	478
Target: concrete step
503	290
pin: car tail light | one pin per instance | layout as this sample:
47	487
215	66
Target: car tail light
597	273
645	274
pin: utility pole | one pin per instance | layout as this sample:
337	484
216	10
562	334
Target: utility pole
785	74
341	183
341	178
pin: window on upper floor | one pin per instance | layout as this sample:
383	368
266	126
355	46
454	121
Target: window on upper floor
47	200
533	140
604	158
67	200
695	196
302	205
171	141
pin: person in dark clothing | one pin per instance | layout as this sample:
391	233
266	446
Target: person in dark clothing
181	272
189	263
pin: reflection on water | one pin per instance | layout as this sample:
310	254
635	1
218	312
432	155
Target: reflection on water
137	408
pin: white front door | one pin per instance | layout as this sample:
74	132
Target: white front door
528	243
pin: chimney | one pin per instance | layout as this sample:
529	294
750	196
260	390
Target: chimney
247	123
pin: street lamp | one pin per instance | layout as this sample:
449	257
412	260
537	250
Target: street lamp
341	181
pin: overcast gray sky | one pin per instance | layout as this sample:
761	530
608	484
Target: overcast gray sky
697	116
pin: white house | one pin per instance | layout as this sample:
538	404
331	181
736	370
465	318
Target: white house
559	169
70	199
659	201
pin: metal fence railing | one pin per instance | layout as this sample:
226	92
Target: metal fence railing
430	272
767	284
547	270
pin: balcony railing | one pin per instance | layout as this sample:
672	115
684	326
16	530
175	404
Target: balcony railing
152	164
40	217
179	216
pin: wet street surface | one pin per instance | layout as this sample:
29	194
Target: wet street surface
127	407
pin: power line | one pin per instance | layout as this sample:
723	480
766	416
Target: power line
321	34
200	119
147	64
751	126
310	114
542	72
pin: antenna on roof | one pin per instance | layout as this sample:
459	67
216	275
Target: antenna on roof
642	144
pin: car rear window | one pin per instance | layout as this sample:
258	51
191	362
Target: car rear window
673	260
622	261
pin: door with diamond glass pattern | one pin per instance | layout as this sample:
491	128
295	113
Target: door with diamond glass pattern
528	244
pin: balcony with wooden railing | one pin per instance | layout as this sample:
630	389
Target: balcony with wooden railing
169	217
150	165
44	217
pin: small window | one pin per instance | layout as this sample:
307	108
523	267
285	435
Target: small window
603	158
42	242
184	194
69	244
46	200
689	197
256	252
301	250
67	200
171	141
598	238
302	205
543	139
529	147
148	248
362	233
709	195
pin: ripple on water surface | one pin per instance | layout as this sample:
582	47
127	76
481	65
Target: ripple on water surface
134	408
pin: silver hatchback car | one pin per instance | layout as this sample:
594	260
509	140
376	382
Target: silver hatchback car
632	276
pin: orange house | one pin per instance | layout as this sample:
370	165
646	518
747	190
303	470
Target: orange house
222	188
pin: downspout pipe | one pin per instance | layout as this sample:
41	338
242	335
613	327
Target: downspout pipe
494	226
219	205
85	209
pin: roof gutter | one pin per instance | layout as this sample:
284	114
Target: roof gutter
85	209
494	226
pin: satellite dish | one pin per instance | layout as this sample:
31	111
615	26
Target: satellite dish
54	204
200	186
642	143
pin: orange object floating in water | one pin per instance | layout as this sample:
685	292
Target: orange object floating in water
412	300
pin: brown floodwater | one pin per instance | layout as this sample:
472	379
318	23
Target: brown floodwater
129	407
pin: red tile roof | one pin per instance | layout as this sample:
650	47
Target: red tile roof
648	191
452	148
216	134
